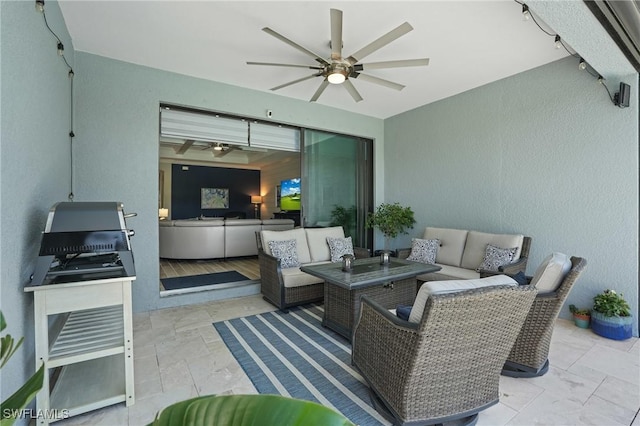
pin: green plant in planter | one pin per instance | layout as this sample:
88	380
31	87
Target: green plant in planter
581	316
611	316
611	304
579	311
12	406
391	220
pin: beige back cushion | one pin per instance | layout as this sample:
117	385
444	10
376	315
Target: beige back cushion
551	272
477	243
452	286
317	240
297	234
451	244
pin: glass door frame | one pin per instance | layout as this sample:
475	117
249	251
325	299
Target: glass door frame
364	183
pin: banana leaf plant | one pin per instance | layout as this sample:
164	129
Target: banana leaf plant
244	410
12	406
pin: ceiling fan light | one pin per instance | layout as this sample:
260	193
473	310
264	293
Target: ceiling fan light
336	77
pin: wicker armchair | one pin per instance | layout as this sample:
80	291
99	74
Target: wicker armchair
447	367
529	355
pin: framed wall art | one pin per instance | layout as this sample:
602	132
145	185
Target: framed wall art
214	198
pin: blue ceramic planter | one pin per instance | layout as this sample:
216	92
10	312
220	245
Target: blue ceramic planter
616	328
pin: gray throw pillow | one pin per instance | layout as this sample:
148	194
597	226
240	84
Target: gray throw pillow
424	251
494	257
286	251
339	247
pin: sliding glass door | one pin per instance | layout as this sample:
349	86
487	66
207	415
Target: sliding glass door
337	183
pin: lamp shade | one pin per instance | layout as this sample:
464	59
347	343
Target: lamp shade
163	213
256	199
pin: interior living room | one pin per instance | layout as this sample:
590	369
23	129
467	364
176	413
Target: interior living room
513	135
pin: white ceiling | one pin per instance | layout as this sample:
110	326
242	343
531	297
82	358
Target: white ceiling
469	43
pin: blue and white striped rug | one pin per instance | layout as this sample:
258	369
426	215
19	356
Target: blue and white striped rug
291	354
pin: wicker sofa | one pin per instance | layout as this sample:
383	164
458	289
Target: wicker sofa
461	252
289	286
211	238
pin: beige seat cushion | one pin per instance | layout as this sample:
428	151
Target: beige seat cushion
451	244
317	240
477	243
294	277
551	272
450	273
452	286
297	234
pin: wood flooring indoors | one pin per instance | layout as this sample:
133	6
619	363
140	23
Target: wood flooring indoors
248	266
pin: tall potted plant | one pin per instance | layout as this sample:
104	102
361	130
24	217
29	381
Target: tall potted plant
391	220
611	316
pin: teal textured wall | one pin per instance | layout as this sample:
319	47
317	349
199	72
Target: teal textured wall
34	155
544	153
117	148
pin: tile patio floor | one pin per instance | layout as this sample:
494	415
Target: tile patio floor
178	355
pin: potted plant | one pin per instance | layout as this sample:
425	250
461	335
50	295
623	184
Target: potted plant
581	317
391	220
611	316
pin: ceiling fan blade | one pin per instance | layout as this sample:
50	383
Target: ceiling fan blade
323	86
380	42
352	90
273	64
222	153
185	146
295	45
392	64
336	34
295	81
377	80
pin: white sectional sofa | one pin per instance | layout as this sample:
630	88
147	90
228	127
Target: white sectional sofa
461	252
213	238
289	286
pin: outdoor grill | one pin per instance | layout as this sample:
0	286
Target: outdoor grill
83	241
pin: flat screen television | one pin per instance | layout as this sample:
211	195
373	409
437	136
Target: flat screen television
290	194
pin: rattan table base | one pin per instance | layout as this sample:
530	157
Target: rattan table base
342	306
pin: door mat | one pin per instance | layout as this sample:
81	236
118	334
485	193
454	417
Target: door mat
202	280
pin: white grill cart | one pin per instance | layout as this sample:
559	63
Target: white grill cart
90	360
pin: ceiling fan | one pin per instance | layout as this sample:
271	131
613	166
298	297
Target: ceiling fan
338	69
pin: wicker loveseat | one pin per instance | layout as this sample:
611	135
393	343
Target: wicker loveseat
447	366
461	252
289	286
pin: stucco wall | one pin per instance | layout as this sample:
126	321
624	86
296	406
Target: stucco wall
544	153
117	149
35	158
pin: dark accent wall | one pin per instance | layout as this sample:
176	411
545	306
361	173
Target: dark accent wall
186	185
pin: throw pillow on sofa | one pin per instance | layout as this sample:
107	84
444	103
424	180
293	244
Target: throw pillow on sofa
339	247
424	251
286	251
494	257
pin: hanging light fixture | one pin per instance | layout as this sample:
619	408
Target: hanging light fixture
558	42
526	15
582	65
40	5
